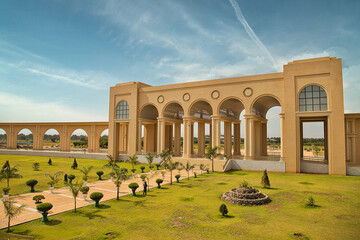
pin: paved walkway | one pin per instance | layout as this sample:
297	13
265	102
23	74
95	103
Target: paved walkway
63	201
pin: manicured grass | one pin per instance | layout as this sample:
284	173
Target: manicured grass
25	163
190	210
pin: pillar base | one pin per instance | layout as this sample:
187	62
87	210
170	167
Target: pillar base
249	158
282	159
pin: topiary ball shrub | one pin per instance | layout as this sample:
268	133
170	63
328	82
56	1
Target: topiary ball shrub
71	177
38	198
96	196
31	183
177	177
159	181
223	209
84	190
133	187
100	173
44	208
142	169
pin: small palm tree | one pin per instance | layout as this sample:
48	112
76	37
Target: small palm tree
170	165
133	160
211	154
202	167
75	189
111	163
150	159
54	178
8	172
120	176
86	170
188	167
11	211
165	156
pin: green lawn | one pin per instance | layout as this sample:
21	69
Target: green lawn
25	164
189	210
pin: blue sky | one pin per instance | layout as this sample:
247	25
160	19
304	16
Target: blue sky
59	58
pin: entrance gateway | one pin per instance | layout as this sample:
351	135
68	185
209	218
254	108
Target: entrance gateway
144	118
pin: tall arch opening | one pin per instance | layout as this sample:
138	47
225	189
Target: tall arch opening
25	139
169	129
265	129
148	129
3	139
122	113
79	140
51	140
313	130
103	141
230	112
201	112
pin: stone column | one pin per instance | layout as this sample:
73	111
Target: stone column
139	131
227	139
192	138
161	135
237	139
187	138
201	139
249	130
282	135
264	138
177	139
215	132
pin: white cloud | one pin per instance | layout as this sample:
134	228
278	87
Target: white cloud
13	108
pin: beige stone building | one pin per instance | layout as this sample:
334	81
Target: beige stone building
144	118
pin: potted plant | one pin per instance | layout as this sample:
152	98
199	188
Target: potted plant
224	156
71	177
6	192
44	209
159	181
177	177
195	174
163	175
31	183
96	196
99	173
207	170
151	168
157	166
51	185
133	187
142	169
38	198
133	171
84	190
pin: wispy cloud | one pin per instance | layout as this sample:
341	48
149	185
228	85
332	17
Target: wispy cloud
249	30
30	111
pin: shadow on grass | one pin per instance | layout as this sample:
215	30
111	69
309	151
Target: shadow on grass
226	216
104	206
184	199
139	203
186	186
236	172
92	215
222	183
310	207
53	222
306	183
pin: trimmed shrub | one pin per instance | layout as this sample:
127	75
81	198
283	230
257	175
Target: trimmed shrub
133	170
36	166
50	162
74	165
133	187
31	183
71	177
310	202
223	209
44	208
84	190
265	182
96	196
157	166
124	170
65	177
6	190
142	168
100	173
38	198
177	177
159	181
143	177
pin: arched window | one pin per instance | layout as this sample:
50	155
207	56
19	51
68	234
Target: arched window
122	110
312	98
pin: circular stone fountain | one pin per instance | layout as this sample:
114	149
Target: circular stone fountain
245	196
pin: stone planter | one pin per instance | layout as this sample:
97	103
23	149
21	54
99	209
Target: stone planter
84	195
85	183
6	195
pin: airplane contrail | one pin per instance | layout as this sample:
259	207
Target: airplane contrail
249	31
